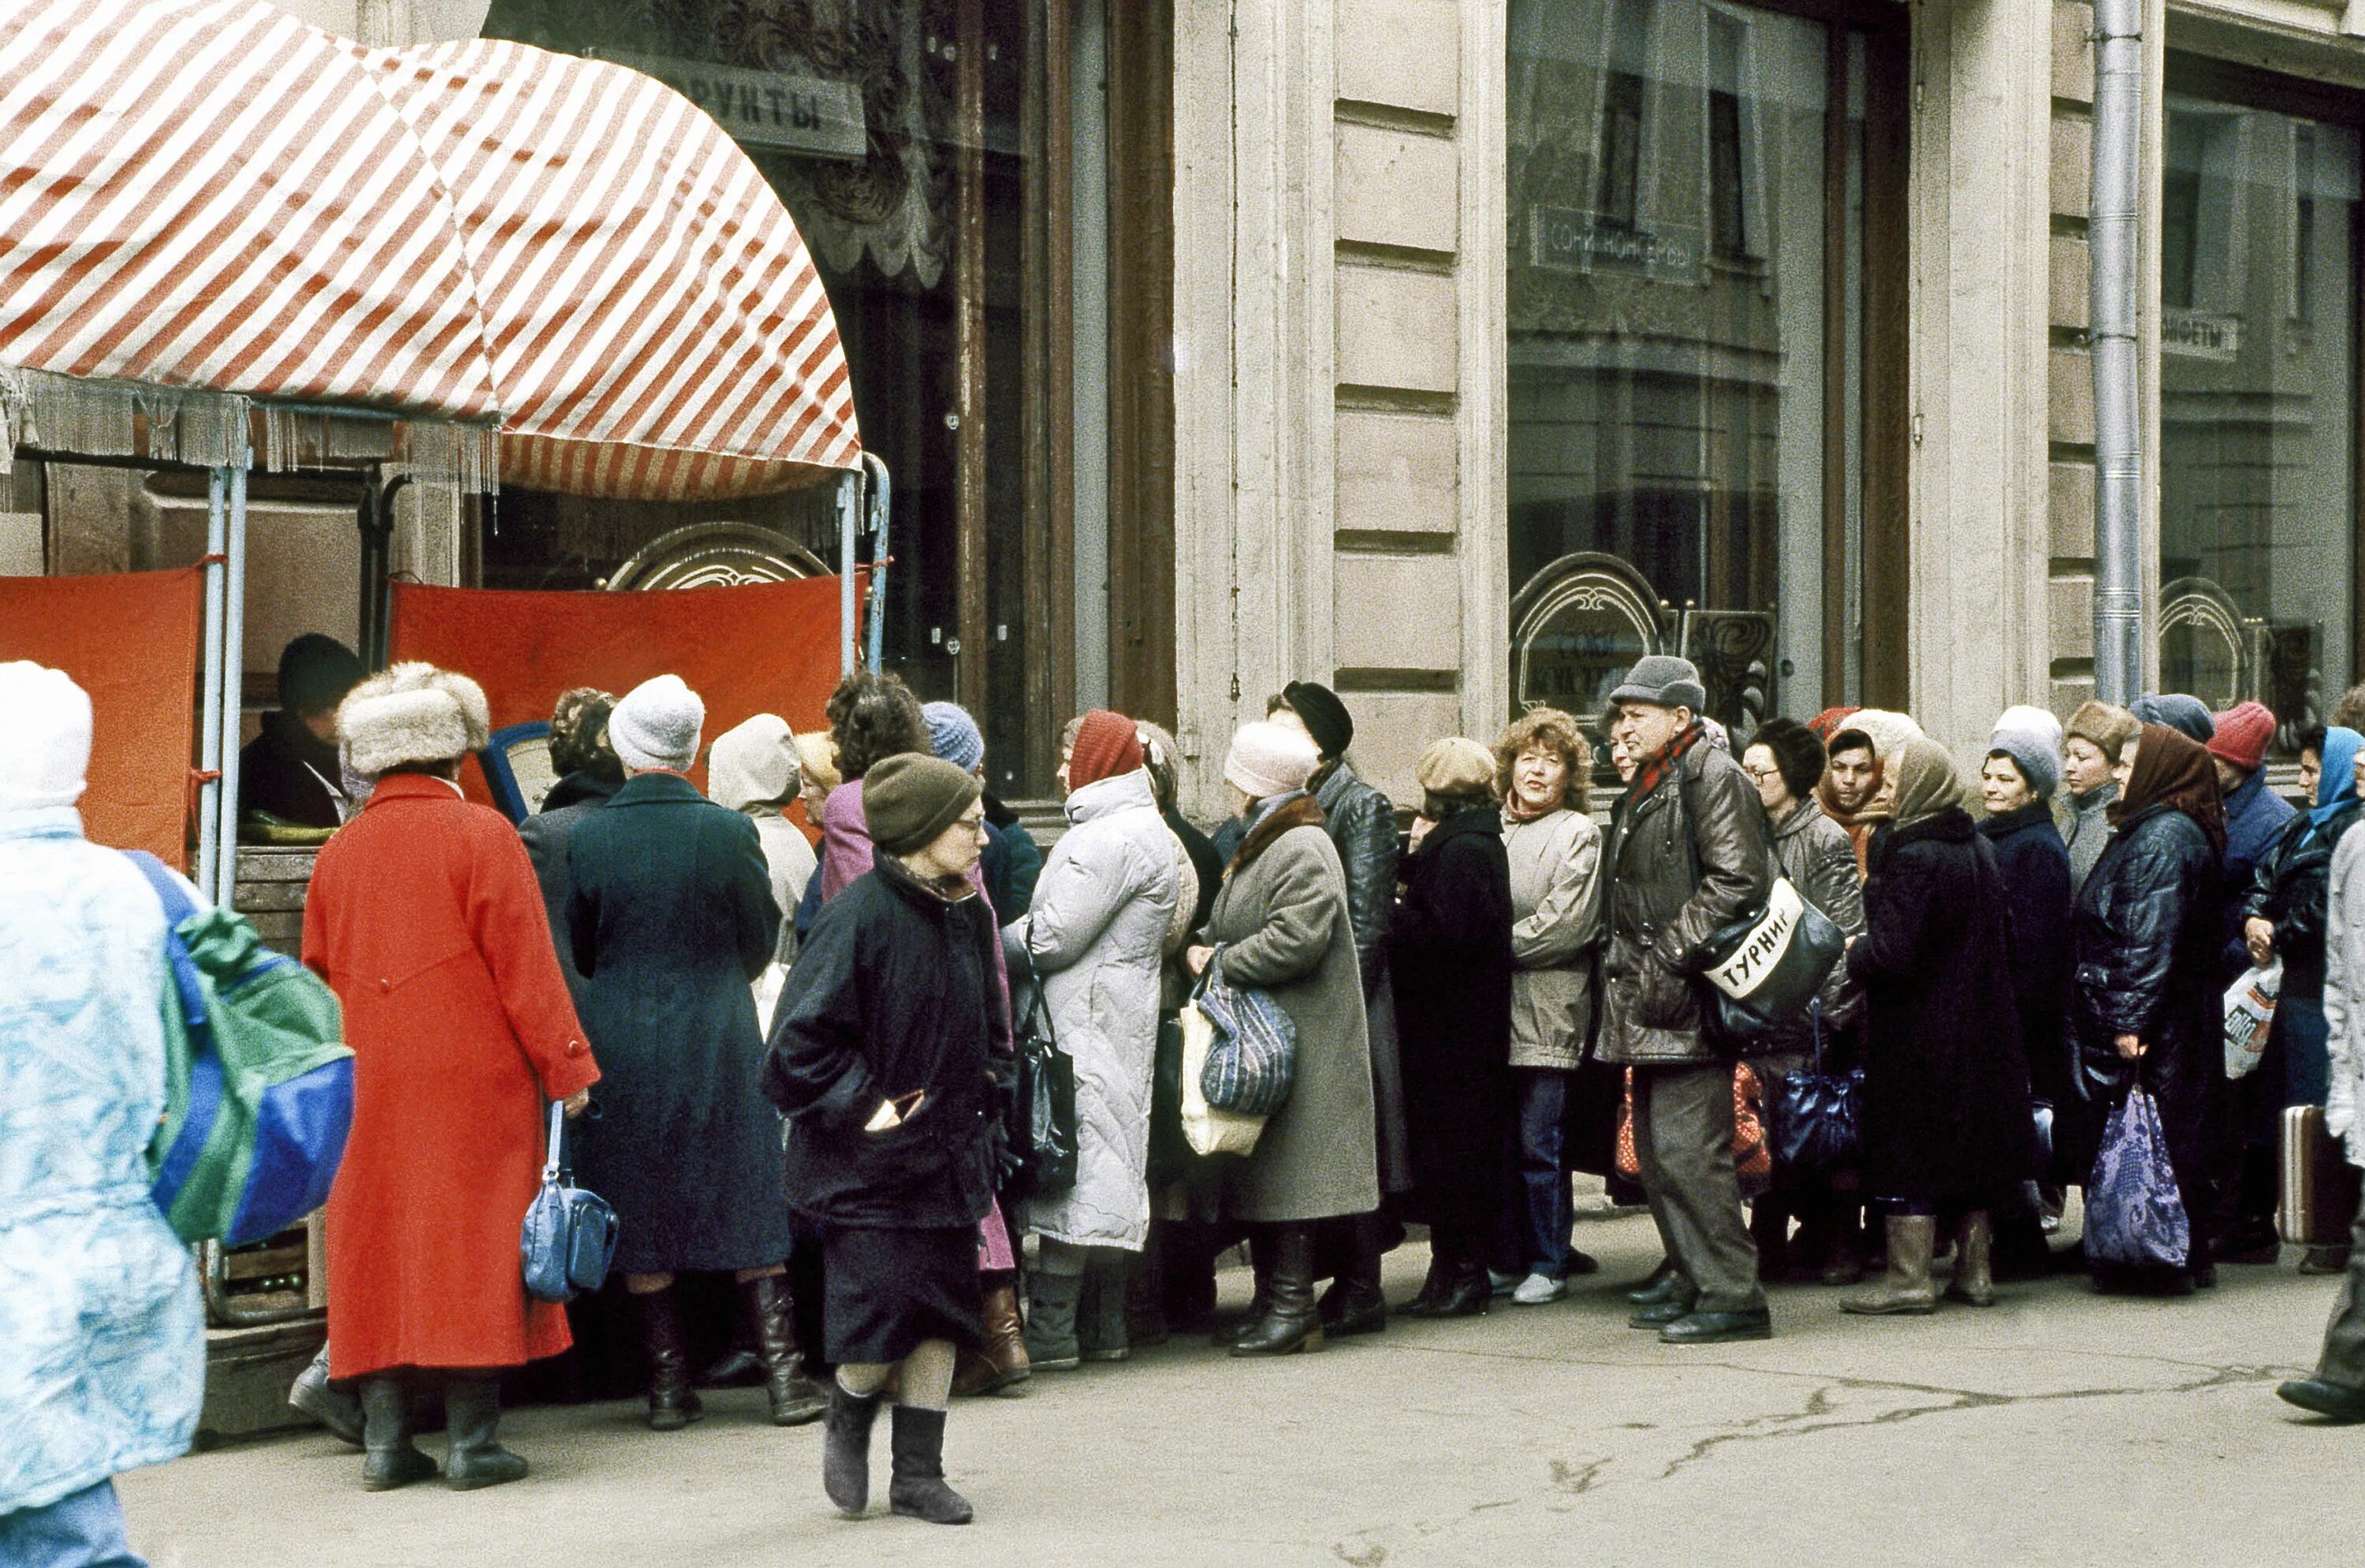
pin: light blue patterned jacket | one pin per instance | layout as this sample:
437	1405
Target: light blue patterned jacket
101	1329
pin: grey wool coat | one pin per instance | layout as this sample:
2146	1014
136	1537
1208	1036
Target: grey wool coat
1095	937
670	915
1555	921
1815	852
1281	921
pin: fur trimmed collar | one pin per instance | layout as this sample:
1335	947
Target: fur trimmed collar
1300	813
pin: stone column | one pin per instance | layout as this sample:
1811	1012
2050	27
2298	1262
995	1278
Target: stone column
1339	362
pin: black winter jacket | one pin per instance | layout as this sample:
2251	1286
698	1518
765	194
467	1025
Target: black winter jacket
1449	963
2289	890
2145	941
2034	866
893	992
1946	1114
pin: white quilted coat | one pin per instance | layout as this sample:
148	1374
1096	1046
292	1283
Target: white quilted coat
1094	937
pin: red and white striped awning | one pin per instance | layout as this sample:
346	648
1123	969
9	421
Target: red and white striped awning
658	330
207	195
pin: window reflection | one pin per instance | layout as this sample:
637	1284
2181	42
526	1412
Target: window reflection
2259	417
1668	229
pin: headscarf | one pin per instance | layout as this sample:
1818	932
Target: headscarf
2173	770
2336	786
1926	781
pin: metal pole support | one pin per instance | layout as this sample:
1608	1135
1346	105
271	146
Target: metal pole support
233	623
2118	392
209	742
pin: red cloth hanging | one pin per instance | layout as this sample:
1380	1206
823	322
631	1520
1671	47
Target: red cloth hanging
755	648
129	639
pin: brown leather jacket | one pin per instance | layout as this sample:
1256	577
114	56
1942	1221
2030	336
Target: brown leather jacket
1685	859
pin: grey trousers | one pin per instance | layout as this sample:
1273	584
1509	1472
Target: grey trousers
1683	1136
2344	1339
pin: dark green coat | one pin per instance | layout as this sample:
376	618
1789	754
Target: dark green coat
670	916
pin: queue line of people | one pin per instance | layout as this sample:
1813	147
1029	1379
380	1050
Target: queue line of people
1467	997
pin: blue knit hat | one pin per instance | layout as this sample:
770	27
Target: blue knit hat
954	737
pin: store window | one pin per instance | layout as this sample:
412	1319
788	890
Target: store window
2259	382
953	166
1691	326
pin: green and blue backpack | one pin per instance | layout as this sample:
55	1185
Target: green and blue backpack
259	1083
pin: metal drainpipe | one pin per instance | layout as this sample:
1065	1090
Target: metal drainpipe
2118	395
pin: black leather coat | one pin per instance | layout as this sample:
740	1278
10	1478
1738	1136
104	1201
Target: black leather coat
2144	936
1363	823
2289	889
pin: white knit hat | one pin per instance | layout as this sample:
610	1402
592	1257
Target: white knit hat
657	725
49	717
411	713
1269	759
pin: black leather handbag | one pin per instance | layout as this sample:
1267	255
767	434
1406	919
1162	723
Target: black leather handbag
1043	1134
1761	971
1816	1115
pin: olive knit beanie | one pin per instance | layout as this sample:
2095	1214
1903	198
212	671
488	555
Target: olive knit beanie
908	799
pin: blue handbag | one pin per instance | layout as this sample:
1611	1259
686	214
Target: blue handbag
1253	1060
570	1235
1816	1116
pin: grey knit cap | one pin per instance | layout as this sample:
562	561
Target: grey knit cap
1663	678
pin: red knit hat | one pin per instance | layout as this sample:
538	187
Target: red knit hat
2243	732
1828	722
1107	745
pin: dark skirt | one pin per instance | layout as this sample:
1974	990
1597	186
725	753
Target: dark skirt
886	1291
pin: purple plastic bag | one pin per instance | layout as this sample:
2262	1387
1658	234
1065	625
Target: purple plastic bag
2133	1213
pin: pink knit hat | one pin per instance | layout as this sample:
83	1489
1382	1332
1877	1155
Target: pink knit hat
2243	732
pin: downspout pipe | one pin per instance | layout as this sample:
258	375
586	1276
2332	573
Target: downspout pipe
2114	242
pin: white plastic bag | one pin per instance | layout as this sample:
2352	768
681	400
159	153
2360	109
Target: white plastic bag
2250	1016
1209	1130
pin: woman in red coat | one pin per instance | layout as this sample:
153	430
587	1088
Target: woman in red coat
425	916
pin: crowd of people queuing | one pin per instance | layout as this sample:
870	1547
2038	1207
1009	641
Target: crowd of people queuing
781	1016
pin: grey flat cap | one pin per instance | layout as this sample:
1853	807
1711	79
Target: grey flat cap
1664	679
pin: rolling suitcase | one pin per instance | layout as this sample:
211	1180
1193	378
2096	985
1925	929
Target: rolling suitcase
2319	1185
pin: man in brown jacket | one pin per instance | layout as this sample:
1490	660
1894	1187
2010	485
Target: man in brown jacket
1688	853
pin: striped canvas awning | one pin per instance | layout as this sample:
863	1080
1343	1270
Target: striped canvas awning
658	330
207	196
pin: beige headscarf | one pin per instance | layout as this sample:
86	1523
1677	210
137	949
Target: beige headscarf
1926	780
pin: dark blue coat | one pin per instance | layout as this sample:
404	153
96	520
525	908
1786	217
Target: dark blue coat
670	917
2255	818
2034	866
2144	934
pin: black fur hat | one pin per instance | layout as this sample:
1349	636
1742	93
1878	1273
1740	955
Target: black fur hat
1798	754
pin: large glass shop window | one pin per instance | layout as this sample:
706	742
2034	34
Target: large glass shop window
1685	319
906	139
2259	420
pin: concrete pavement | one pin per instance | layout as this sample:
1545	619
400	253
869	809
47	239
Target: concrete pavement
2058	1428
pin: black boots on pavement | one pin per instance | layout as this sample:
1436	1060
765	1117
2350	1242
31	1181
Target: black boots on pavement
796	1398
390	1458
472	1416
673	1404
917	1488
1290	1322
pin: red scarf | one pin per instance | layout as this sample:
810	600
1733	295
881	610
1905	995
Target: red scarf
1654	769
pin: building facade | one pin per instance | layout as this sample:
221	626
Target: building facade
1458	351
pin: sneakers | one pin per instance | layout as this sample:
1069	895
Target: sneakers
1537	1289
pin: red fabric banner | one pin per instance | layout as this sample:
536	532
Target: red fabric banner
132	640
757	648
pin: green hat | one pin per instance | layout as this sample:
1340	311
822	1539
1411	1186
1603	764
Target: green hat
908	799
